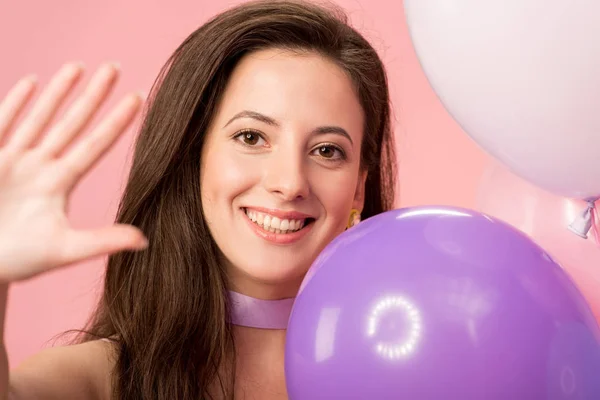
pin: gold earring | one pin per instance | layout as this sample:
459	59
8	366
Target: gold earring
353	219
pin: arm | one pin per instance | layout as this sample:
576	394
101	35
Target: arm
38	171
71	372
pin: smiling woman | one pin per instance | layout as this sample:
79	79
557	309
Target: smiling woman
266	132
284	160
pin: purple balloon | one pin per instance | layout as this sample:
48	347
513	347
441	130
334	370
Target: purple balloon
440	303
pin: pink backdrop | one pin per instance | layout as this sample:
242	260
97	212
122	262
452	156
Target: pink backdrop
438	162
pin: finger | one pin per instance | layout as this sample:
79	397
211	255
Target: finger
46	107
85	244
14	102
81	112
85	153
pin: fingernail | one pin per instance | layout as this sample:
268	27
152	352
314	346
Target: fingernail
142	95
75	67
116	65
31	78
144	243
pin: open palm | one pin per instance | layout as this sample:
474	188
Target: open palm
38	172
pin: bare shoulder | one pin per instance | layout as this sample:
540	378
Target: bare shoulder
81	371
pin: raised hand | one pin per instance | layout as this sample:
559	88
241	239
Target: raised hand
38	172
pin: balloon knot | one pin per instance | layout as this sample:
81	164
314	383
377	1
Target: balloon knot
586	221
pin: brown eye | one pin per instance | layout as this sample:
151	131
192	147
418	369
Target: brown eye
330	152
326	151
250	138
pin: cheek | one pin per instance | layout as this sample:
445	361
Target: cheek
336	193
225	175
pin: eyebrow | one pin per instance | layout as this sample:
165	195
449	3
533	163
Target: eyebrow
272	122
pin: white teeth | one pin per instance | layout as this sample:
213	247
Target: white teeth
285	225
274	224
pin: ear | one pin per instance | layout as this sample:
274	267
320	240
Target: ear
359	194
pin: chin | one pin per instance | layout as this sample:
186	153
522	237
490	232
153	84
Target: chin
270	275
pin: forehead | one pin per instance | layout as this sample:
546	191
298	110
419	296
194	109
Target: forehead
293	87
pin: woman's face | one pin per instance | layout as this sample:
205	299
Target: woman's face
280	168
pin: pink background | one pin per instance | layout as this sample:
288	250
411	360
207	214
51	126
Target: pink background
438	162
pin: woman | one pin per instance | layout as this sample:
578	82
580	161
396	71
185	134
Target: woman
266	135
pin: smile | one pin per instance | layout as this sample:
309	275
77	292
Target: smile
274	224
283	229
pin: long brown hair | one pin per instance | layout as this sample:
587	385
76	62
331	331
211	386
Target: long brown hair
166	307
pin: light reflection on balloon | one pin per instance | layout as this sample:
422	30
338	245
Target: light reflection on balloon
404	346
432	211
326	333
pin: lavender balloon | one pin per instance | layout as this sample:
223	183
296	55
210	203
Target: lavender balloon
440	303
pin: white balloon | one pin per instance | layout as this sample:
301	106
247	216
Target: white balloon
522	77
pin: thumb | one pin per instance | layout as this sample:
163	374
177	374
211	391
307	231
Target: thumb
84	244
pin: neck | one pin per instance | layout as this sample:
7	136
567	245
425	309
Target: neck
267	343
257	338
260	363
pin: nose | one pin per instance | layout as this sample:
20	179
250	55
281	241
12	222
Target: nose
285	176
